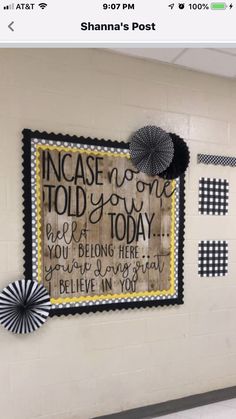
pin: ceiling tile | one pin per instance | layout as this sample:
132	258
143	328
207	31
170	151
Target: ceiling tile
208	61
160	54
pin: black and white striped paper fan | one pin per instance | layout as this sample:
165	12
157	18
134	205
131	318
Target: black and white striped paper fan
151	150
24	306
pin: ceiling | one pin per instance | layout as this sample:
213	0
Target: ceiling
221	62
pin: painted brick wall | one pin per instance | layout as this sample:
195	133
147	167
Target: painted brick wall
84	366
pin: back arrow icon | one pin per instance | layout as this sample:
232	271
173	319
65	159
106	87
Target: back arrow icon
10	26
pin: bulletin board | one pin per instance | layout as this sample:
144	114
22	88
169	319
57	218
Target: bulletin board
99	234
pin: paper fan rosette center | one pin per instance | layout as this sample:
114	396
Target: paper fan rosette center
151	150
22	308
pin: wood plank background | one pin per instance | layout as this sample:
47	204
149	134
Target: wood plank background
157	248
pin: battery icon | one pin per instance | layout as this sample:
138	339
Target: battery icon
218	6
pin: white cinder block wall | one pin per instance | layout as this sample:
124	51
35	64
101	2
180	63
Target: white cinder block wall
83	366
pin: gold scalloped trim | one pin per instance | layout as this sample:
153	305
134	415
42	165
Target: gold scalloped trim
38	200
110	297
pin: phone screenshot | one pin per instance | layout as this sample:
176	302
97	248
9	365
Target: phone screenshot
117	209
95	22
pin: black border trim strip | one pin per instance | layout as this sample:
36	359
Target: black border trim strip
173	406
27	136
27	216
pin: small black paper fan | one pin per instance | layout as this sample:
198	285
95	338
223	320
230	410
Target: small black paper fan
180	161
24	306
151	150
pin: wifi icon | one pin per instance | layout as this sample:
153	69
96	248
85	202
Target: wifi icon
42	5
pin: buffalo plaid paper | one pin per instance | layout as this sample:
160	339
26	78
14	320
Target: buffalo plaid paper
213	196
212	258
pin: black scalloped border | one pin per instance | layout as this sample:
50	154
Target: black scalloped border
28	135
27	216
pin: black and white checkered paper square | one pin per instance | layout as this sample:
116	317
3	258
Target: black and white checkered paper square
213	196
212	258
216	160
